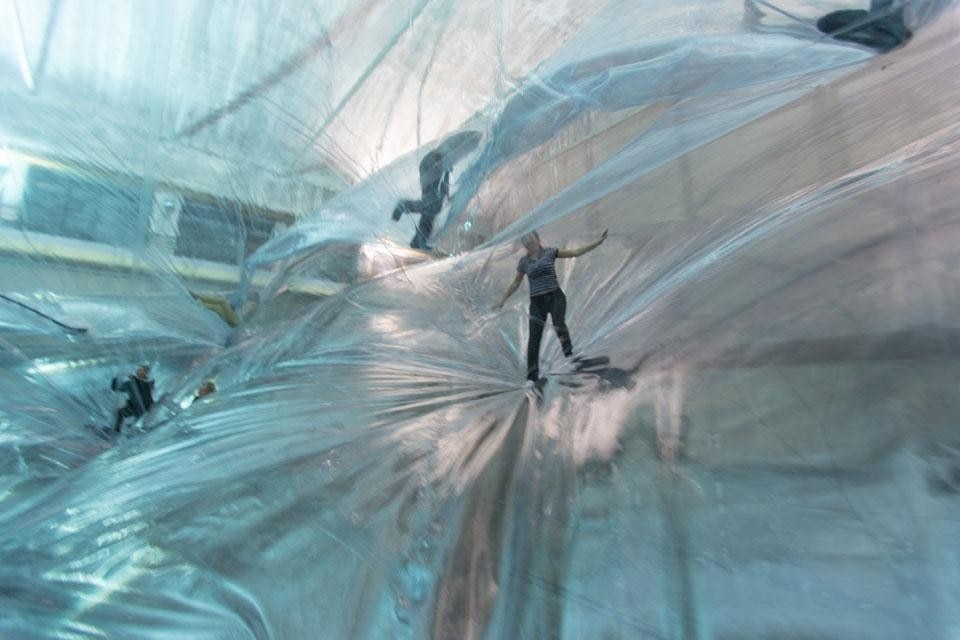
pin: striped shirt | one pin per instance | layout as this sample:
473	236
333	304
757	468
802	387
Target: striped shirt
540	271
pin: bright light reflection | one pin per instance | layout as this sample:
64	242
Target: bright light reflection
45	368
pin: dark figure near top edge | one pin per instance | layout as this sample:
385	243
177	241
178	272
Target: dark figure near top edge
882	28
434	189
139	390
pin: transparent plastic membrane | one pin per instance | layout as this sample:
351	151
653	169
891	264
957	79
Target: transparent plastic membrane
769	452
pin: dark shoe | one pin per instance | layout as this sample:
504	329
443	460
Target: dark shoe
397	213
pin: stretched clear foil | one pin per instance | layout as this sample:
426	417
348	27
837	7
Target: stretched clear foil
770	450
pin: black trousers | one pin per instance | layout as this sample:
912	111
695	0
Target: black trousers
125	411
553	304
424	229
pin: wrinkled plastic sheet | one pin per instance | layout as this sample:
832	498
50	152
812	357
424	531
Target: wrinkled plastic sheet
770	451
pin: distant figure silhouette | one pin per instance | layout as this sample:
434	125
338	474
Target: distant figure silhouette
206	388
139	390
434	189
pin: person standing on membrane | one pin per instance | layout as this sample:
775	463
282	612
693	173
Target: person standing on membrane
546	297
434	189
139	391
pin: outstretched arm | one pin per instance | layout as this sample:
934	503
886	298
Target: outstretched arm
573	253
517	279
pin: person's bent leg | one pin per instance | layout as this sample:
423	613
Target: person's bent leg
406	206
122	413
558	312
538	318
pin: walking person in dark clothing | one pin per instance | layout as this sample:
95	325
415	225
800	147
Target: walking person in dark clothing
546	297
139	390
434	189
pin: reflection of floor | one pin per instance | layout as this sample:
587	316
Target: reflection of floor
809	480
